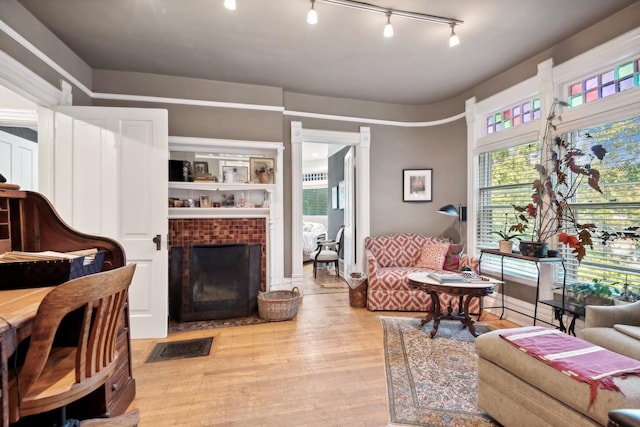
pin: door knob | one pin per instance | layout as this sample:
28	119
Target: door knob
158	241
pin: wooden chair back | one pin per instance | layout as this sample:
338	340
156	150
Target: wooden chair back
53	377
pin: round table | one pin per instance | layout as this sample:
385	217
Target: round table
464	289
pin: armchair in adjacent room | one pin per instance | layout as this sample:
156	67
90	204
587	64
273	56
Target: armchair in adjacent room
328	252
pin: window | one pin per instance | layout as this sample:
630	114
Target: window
314	201
615	80
504	179
617	209
513	116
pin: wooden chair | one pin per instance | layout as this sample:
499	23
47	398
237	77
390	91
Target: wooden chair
328	252
52	377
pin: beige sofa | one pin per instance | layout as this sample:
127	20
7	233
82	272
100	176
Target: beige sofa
616	327
518	390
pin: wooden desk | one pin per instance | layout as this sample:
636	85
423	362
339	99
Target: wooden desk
18	308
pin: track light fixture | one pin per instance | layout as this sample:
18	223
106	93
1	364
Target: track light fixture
388	29
312	16
454	40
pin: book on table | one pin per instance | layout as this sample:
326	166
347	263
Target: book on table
446	277
451	277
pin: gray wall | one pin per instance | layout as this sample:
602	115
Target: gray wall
442	148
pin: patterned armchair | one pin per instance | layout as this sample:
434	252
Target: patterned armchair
391	258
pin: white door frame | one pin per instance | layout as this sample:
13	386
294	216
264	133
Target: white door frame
361	141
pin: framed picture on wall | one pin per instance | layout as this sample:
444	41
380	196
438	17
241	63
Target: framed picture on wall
417	185
334	197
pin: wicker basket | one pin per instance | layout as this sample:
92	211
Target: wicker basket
278	305
358	290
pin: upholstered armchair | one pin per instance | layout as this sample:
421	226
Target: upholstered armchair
616	327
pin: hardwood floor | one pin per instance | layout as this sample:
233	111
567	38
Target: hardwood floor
325	367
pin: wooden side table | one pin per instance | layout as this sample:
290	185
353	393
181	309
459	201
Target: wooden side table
466	291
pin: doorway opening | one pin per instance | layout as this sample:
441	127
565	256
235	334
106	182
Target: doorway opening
351	189
323	208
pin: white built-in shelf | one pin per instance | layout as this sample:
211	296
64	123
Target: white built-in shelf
219	186
218	212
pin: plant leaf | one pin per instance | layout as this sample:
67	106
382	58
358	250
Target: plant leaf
594	180
599	151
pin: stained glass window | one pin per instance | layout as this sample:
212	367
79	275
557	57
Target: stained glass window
513	116
623	77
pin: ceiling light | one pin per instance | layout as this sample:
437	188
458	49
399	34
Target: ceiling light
388	29
454	40
230	4
312	16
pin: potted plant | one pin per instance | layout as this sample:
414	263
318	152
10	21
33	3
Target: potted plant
505	243
559	176
594	293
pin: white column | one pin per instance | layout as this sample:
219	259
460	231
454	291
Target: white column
363	197
472	185
276	227
296	208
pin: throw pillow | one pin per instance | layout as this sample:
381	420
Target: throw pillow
452	260
433	255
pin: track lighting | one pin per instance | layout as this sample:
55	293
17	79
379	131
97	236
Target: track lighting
312	16
454	40
388	29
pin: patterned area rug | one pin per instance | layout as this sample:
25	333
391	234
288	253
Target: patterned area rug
432	382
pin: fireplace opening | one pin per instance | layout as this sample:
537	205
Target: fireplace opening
218	281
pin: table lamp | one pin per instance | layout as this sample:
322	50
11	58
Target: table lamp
460	212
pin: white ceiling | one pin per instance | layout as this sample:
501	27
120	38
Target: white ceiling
344	55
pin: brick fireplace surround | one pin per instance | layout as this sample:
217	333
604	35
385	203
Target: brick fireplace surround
185	232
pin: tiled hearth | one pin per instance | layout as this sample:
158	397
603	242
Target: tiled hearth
185	232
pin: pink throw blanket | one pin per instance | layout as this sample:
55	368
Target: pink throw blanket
572	356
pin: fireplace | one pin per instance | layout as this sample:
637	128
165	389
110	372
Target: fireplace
187	232
221	281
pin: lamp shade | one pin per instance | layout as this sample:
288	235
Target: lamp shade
449	210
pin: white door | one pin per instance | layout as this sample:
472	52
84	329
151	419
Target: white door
348	240
19	161
106	174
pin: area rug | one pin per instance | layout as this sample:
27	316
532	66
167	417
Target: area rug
432	381
214	324
180	349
